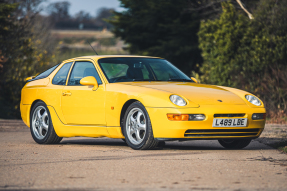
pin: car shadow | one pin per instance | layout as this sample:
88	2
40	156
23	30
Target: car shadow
169	145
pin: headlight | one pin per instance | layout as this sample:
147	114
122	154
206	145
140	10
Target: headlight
252	99
177	100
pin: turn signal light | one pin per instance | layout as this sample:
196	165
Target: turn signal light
178	117
185	117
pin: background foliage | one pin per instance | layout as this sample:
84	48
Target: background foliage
25	49
214	40
248	54
160	28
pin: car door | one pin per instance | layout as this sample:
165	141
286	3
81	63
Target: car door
80	104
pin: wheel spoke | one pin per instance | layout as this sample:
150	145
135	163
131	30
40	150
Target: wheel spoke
138	135
44	115
139	117
40	130
133	119
39	116
141	127
132	131
44	125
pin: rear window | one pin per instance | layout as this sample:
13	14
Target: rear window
46	73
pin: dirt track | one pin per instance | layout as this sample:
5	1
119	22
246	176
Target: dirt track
108	164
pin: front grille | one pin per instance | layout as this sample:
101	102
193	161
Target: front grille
230	115
221	132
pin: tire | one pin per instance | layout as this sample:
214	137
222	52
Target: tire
137	128
235	143
41	126
161	144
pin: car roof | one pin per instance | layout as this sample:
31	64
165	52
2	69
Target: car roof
96	57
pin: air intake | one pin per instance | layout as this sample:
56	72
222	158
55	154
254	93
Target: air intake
230	115
223	133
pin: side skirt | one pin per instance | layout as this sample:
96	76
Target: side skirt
63	130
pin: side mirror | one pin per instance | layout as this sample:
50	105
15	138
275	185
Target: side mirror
195	80
90	81
29	78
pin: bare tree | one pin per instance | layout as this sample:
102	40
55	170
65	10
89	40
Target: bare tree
248	13
208	8
59	10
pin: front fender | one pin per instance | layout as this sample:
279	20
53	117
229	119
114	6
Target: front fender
118	94
242	95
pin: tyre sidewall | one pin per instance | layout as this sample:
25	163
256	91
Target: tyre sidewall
41	141
148	125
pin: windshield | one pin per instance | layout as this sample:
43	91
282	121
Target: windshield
140	69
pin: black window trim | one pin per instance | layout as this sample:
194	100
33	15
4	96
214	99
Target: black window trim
71	70
67	74
34	79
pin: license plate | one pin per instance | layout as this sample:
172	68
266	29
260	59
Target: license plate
235	122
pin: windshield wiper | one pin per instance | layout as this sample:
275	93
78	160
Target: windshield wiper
179	80
142	80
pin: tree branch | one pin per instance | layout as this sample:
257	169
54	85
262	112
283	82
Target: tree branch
248	13
211	4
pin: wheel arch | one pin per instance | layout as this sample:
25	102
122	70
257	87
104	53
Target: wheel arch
32	105
124	109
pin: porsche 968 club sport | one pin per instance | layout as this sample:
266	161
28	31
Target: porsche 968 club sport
143	100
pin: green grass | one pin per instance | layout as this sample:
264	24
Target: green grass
282	146
284	149
74	40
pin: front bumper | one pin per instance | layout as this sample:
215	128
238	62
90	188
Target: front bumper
164	129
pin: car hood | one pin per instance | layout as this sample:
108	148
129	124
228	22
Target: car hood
201	94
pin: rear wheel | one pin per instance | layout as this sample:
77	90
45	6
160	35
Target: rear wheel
234	143
42	129
137	128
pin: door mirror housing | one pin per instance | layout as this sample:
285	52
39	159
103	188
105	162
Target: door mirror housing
195	80
90	81
29	78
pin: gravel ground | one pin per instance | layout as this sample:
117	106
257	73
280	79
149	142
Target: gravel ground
109	164
274	135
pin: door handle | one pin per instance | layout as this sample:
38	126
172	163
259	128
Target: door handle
66	94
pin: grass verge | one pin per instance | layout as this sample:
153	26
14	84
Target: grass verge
281	146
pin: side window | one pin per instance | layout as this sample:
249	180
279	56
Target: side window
83	69
46	73
61	76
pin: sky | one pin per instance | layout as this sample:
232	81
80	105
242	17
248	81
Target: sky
90	6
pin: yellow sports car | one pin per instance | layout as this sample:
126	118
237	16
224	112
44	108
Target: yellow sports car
143	100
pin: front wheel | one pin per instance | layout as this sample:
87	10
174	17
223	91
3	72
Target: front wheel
234	143
137	128
41	126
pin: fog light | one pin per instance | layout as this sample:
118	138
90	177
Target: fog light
257	116
185	117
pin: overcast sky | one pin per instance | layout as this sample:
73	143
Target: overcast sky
90	6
